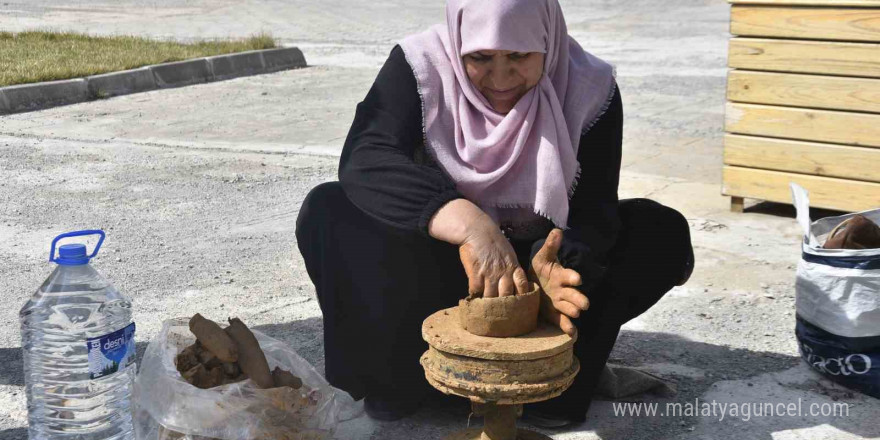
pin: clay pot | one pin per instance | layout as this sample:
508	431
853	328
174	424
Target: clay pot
501	317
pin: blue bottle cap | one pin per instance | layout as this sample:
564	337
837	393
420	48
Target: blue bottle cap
75	254
72	254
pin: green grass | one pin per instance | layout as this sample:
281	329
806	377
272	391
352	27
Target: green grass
28	57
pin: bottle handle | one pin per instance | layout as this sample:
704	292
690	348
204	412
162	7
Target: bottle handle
78	234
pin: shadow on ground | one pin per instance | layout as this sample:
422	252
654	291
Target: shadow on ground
11	366
635	348
713	363
718	362
305	336
788	211
731	375
14	434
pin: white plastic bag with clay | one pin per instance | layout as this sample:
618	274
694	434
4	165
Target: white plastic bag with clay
838	303
167	407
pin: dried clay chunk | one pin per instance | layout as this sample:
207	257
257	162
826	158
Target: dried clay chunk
196	375
212	379
231	369
212	337
235	379
209	360
201	377
190	374
187	358
856	232
251	359
284	378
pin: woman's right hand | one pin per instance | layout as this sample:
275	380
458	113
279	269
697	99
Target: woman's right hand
488	258
490	263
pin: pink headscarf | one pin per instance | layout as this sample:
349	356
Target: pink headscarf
528	157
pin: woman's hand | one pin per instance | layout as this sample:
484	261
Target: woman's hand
560	301
488	258
490	263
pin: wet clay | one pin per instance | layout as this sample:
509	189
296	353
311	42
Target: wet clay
856	232
501	317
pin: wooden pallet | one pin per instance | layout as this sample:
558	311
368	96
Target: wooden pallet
804	102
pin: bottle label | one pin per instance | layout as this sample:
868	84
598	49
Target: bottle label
111	352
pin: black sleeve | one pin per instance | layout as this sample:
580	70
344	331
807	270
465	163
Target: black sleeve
377	169
593	219
593	216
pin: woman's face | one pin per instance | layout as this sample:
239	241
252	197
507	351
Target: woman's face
504	76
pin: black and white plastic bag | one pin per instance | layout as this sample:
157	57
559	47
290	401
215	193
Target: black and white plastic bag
838	303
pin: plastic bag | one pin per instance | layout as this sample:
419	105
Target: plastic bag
167	407
838	303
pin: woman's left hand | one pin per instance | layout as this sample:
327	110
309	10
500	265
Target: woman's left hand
560	301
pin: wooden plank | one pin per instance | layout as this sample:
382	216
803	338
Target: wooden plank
843	24
804	124
825	192
827	160
796	56
789	89
836	3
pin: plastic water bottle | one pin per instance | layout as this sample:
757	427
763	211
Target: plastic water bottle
78	342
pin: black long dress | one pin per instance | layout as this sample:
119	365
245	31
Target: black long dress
378	274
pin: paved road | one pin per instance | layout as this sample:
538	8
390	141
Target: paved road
198	188
671	76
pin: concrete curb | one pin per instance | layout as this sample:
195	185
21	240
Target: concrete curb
232	66
4	106
38	96
27	97
121	83
182	73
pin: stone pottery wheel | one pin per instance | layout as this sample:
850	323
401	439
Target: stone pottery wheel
497	374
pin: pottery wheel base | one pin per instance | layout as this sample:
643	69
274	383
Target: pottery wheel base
497	375
475	433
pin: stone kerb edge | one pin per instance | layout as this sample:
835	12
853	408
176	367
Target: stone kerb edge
234	65
4	105
283	58
182	73
38	96
121	83
35	96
